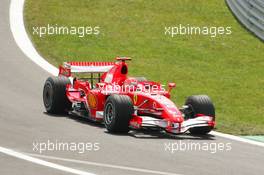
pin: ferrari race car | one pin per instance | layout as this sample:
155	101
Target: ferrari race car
103	92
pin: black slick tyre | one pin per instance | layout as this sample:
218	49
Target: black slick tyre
54	95
118	111
200	104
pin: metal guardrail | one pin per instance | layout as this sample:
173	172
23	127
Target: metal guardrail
250	13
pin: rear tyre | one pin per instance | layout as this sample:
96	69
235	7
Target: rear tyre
200	104
54	95
118	111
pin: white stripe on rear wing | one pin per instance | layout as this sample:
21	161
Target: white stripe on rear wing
89	67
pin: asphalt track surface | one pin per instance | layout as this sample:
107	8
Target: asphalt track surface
23	121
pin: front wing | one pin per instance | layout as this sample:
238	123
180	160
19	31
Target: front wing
171	127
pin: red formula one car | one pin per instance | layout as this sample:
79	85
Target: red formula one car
108	95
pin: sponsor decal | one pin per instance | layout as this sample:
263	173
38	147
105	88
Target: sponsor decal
154	105
92	101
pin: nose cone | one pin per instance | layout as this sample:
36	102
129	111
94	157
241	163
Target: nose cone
170	111
175	115
178	118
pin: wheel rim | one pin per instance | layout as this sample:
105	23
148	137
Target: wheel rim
109	113
47	95
192	111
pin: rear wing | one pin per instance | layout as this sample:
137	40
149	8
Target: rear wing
84	67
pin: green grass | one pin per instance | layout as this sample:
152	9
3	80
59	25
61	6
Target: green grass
230	69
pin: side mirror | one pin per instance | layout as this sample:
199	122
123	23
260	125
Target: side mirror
171	86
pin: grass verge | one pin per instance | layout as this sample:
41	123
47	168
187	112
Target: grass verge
227	68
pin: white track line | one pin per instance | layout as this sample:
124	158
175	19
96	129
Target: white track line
42	162
102	164
236	138
20	35
23	41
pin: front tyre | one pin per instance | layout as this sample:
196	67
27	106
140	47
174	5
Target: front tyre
200	104
54	95
118	111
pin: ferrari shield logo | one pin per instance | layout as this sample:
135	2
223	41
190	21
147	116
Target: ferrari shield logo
135	99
